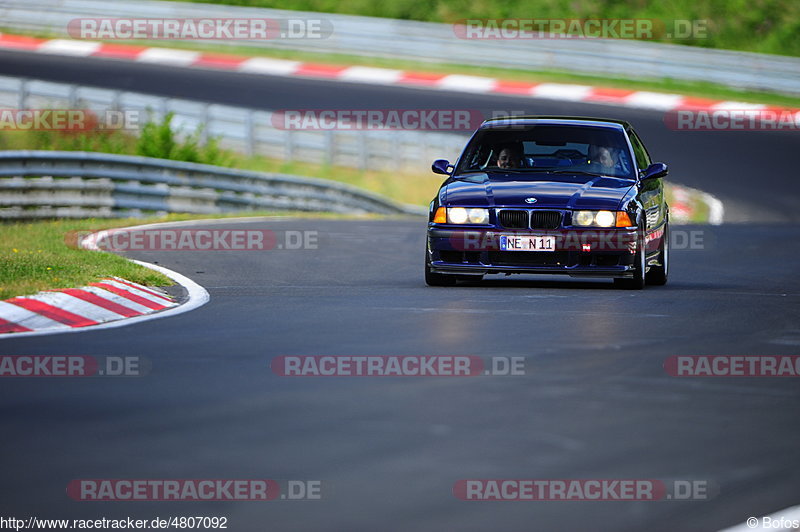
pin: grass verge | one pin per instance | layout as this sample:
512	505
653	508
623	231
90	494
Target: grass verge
34	256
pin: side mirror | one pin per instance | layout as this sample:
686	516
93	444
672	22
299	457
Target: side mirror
442	166
654	171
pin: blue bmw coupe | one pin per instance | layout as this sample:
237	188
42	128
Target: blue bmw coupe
550	195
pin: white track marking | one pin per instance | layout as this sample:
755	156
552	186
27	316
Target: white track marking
65	47
559	91
457	82
371	75
654	100
27	319
263	65
168	56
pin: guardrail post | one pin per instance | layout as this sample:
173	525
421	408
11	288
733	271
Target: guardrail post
397	148
22	96
73	96
164	107
363	151
250	134
206	119
330	147
289	146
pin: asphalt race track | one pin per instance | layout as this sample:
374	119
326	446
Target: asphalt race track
595	401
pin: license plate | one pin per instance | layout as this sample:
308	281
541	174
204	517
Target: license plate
527	243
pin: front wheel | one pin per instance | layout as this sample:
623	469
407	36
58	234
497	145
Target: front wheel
657	276
438	279
638	280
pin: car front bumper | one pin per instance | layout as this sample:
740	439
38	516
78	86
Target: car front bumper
578	252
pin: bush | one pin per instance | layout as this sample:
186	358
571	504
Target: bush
159	139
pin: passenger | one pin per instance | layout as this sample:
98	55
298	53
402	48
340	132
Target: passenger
604	159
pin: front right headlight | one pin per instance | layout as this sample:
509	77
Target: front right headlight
601	219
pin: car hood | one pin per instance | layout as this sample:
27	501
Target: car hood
551	191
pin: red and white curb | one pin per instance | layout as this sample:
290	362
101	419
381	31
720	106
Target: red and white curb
112	302
109	300
381	76
682	209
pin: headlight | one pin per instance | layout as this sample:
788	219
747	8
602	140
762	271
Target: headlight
584	218
460	215
601	219
478	216
457	215
605	219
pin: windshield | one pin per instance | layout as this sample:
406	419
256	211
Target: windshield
549	149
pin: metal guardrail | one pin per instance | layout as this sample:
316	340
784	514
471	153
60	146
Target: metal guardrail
48	184
250	131
434	42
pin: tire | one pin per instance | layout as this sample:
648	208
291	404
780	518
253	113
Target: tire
438	279
657	276
638	280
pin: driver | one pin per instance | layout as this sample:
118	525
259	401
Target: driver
509	156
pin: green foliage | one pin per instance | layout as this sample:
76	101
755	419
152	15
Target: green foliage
101	141
767	26
156	139
160	139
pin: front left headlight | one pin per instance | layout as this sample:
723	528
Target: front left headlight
467	215
605	218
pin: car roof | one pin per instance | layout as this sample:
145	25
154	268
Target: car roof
555	121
